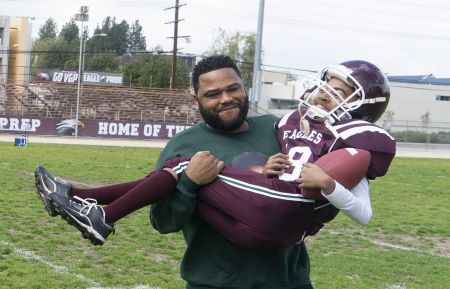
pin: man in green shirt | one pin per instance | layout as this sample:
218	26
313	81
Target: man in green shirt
210	260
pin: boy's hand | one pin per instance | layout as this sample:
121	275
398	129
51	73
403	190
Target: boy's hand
276	165
314	177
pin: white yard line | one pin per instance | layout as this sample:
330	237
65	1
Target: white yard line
404	248
135	287
394	286
29	255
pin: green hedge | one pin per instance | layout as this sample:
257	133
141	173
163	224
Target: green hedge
422	137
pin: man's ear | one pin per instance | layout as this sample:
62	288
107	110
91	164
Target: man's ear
194	96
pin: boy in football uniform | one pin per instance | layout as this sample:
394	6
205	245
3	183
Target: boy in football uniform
336	111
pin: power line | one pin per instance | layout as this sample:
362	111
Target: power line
383	11
325	26
409	4
291	68
124	2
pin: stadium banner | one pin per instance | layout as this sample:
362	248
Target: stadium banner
90	128
70	76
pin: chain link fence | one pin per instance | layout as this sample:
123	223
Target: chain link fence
425	131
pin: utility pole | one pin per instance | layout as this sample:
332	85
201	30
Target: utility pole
173	78
257	74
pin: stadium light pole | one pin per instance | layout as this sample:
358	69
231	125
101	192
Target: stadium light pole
82	16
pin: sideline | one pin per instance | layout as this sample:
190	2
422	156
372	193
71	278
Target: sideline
87	141
403	149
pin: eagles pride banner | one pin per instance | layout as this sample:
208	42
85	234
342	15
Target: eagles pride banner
70	76
90	128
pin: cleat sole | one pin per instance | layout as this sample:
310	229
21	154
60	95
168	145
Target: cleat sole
48	204
87	232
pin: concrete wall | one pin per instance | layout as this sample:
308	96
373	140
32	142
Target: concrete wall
274	77
276	98
277	93
411	101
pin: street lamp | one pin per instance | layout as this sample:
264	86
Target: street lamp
82	16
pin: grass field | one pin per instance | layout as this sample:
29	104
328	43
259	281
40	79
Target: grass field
406	245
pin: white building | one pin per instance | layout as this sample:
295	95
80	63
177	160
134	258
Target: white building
419	101
416	101
278	93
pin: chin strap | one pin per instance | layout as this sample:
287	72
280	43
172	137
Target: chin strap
304	125
319	115
315	114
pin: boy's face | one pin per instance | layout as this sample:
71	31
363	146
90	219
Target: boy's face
341	91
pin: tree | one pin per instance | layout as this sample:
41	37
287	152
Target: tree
387	119
153	71
58	53
239	46
70	32
102	53
48	30
426	119
247	57
117	34
97	43
119	37
136	39
101	62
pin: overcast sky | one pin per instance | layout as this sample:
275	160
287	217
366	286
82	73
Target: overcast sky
402	37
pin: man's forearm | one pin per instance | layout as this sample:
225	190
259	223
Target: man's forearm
172	214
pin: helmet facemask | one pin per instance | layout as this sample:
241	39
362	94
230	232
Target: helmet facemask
313	86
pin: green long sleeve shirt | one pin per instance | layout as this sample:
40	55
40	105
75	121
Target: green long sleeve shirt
210	260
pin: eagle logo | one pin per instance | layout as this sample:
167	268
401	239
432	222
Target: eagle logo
67	127
43	76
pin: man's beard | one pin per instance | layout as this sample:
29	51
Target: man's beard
213	119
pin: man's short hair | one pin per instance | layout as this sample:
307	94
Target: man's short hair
211	63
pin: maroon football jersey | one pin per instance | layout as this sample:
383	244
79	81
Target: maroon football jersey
302	147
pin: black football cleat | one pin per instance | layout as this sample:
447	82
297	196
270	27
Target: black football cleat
46	184
85	215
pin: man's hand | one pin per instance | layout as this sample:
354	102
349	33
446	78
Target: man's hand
314	177
276	165
203	168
